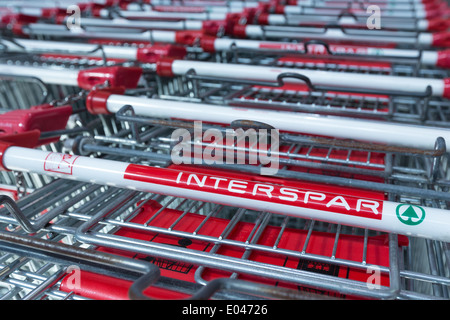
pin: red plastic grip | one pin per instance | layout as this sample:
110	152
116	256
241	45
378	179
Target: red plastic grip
443	60
97	99
441	39
208	43
164	67
187	37
53	12
3	147
263	19
250	13
438	24
432	13
212	27
446	93
233	19
96	9
18	18
151	54
279	9
17	22
265	7
239	30
127	77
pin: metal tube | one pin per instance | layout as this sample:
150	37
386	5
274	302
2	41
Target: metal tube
292	199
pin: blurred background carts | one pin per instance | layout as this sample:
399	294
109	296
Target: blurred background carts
95	207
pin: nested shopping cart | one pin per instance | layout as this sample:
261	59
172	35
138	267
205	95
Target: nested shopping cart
158	233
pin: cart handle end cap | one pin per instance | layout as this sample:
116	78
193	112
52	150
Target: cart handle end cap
446	93
263	19
28	139
151	54
266	7
438	24
433	13
96	100
18	18
436	5
279	9
188	38
443	60
208	43
213	27
127	77
441	39
239	30
96	10
164	67
18	22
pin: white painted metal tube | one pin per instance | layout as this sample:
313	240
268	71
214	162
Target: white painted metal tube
107	33
90	50
339	127
61	76
167	15
326	10
398	12
335	34
359	21
298	2
86	79
215	14
292	9
293	198
137	24
440	87
230	7
426	58
41	4
311	2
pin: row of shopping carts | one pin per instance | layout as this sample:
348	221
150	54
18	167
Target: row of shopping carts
224	149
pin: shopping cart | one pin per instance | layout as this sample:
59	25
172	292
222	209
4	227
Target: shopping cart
169	241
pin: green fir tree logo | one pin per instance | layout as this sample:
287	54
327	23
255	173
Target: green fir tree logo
410	214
